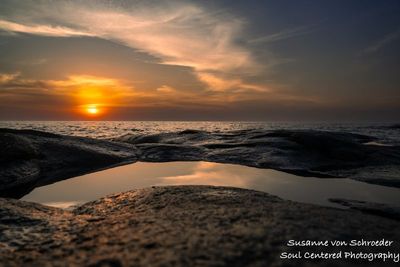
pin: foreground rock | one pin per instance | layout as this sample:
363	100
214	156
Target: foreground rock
182	226
302	152
29	158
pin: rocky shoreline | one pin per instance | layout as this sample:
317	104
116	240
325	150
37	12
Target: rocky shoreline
32	158
188	225
182	226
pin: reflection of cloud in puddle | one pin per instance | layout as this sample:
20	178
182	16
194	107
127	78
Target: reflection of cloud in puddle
63	204
204	165
207	173
66	194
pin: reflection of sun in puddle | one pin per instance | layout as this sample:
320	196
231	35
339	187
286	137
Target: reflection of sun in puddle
204	165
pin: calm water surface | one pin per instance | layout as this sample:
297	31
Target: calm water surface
92	186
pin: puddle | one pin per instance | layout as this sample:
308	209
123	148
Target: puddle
95	185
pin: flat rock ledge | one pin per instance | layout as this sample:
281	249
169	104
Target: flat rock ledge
181	226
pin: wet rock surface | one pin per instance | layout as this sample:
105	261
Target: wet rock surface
379	209
180	226
30	158
302	152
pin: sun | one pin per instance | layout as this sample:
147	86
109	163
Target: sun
93	110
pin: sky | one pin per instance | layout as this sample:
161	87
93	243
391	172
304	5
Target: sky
276	60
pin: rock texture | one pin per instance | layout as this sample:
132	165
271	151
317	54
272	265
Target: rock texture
302	152
181	226
379	209
32	158
29	158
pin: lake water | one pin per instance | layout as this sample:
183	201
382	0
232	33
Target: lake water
92	186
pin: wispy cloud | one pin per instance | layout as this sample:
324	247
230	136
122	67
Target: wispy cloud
44	30
8	77
216	83
283	35
383	42
166	89
176	32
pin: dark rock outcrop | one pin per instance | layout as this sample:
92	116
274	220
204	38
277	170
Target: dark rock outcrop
29	158
182	226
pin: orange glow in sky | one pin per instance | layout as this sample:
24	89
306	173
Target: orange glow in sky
93	95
